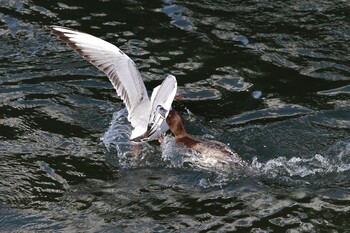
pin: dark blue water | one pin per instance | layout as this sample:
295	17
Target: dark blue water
268	78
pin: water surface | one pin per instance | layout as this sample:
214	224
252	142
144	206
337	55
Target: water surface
268	78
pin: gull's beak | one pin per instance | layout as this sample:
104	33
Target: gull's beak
162	111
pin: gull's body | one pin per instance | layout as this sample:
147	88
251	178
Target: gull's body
143	113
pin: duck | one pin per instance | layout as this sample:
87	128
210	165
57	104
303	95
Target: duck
146	115
211	151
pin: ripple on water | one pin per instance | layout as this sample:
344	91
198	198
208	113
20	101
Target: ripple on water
134	50
336	91
198	91
234	37
272	113
208	89
230	83
189	65
176	13
336	119
26	185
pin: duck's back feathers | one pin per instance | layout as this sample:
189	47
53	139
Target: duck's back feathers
210	150
220	151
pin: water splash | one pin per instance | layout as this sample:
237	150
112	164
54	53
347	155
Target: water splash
334	160
123	152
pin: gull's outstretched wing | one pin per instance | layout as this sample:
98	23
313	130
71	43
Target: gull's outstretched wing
119	68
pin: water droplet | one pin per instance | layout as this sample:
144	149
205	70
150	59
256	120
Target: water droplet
257	94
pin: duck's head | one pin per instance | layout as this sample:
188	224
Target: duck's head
175	123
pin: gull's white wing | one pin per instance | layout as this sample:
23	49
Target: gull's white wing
119	68
163	95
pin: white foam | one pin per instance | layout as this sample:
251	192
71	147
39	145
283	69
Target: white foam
334	160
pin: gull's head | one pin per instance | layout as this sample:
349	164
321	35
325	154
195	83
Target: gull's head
162	111
175	123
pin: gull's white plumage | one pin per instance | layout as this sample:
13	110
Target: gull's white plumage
147	122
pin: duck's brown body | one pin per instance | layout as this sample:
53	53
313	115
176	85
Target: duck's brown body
208	149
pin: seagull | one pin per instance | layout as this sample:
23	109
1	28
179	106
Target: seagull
147	116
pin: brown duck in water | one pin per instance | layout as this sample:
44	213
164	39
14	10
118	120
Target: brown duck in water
213	151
